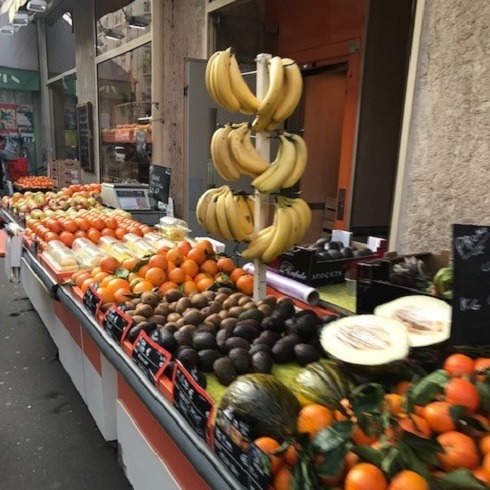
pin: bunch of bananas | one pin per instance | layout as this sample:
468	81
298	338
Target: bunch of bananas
229	90
292	219
233	153
228	216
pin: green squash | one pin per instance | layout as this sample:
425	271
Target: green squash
264	404
322	382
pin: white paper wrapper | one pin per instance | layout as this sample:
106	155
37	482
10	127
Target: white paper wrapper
289	287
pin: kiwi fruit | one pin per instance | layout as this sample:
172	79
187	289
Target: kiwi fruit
229	303
265	309
215	306
204	340
224	314
207	357
228	323
183	304
144	310
191	329
173	317
241	359
162	309
234	342
209	294
225	290
284	300
136	301
236	311
180	322
150	298
206	327
130	312
173	295
224	370
221	297
138	319
158	319
244	300
193	317
172	306
262	362
214	319
171	327
199	300
237	296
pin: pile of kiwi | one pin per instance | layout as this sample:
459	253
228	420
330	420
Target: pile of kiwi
226	332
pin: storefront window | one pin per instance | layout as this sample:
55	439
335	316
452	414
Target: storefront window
124	25
63	93
60	40
124	116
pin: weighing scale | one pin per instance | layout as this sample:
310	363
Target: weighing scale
134	198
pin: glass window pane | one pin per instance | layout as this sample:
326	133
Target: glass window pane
124	116
60	40
124	25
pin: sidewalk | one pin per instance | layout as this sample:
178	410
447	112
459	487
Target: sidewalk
48	439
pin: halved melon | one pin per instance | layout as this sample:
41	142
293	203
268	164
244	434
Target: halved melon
427	320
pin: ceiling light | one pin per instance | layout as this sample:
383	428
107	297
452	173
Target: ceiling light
114	34
8	30
138	22
37	5
21	19
67	18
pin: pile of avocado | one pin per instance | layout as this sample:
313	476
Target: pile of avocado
328	249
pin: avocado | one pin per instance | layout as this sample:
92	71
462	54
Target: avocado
252	314
171	327
306	353
241	360
246	332
334	246
262	362
183	338
202	381
234	342
221	337
347	253
283	352
268	337
224	370
284	311
167	340
204	340
335	254
306	326
146	327
260	348
207	358
274	324
188	357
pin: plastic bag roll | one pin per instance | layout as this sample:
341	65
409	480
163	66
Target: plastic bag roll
289	287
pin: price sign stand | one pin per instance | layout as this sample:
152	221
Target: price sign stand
193	402
92	301
150	357
116	323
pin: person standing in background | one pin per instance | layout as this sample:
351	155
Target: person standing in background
5	156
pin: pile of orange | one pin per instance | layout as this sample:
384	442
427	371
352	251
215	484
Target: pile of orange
190	269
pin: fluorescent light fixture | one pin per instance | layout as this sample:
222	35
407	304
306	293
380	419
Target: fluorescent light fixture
37	5
21	19
138	22
8	30
144	119
114	34
67	18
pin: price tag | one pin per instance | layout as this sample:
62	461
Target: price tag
232	445
259	465
115	323
150	357
91	300
192	401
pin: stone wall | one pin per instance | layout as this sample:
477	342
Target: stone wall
184	33
448	161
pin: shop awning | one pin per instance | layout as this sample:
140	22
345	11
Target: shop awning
19	79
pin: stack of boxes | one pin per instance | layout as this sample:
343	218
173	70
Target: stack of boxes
65	173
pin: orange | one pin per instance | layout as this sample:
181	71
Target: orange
314	418
109	264
438	417
204	284
234	275
135	281
416	425
481	364
481	475
143	270
245	284
462	392
142	287
95	271
201	275
156	276
50	236
485	444
80	234
283	480
108	232
111	223
106	280
167	286
70	226
93	235
190	267
135	231
205	245
350	460
198	255
175	255
209	267
82	277
98	224
189	287
100	276
460	451
363	439
458	365
83	224
269	445
120	232
162	250
394	403
158	261
402	387
87	283
146	229
130	263
408	480
67	238
117	283
177	275
365	476
106	295
290	456
76	274
486	465
122	295
225	264
185	247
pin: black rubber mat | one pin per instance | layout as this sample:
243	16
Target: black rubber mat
48	439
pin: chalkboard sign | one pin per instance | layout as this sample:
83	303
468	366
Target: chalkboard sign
85	136
232	445
159	185
259	465
91	300
150	357
471	288
115	322
192	401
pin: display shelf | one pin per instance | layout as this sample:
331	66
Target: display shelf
197	452
125	137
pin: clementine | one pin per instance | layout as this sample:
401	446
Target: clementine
460	451
365	476
269	445
313	418
408	479
458	365
462	392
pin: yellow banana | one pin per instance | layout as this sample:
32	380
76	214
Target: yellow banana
221	156
222	82
258	245
251	205
248	102
244	153
274	179
203	203
300	163
208	78
280	240
221	217
236	221
259	181
297	225
211	220
246	218
289	98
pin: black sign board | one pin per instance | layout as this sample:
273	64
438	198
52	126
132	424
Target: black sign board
159	184
115	322
91	300
471	288
232	445
192	401
259	465
85	136
150	357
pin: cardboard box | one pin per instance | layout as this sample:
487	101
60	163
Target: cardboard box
65	172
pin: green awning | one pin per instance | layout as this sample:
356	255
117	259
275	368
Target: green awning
19	79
